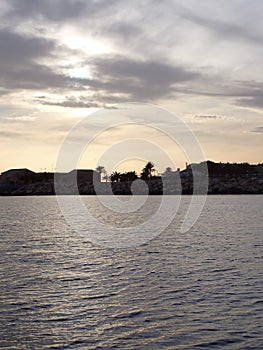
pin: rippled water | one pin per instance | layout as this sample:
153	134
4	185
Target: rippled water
198	290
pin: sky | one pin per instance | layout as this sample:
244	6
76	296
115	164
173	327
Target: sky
63	60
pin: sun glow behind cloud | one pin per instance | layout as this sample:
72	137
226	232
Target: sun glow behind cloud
85	44
80	72
63	60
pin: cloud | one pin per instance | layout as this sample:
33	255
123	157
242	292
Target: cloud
208	117
124	30
140	80
10	134
232	28
252	101
258	129
148	71
3	92
16	48
247	93
25	118
111	107
65	12
116	78
34	77
202	58
139	73
19	68
55	10
71	102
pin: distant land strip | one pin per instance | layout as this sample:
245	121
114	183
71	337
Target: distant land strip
223	178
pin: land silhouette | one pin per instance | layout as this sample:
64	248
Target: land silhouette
221	178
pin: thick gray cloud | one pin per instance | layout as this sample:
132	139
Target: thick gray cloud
53	10
149	71
119	79
3	92
18	49
21	67
252	101
138	69
139	79
32	77
18	62
115	78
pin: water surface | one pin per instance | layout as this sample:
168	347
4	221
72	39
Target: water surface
198	290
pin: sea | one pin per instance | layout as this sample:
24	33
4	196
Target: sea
199	289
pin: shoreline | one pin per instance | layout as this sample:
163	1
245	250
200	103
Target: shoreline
131	194
206	178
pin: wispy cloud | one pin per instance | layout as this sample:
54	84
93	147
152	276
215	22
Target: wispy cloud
208	117
24	118
258	129
10	134
252	101
69	102
222	28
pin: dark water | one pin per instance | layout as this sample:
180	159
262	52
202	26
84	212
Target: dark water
198	290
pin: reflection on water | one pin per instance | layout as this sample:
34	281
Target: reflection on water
201	289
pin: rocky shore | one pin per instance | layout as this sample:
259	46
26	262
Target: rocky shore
217	185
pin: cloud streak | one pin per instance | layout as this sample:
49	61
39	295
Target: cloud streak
208	117
221	28
258	129
71	102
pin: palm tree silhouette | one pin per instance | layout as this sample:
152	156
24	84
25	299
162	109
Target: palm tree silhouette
147	171
115	176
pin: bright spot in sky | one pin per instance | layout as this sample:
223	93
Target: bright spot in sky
86	44
80	72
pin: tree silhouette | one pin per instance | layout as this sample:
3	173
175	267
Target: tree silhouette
131	176
147	171
101	170
168	170
128	176
123	177
115	176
